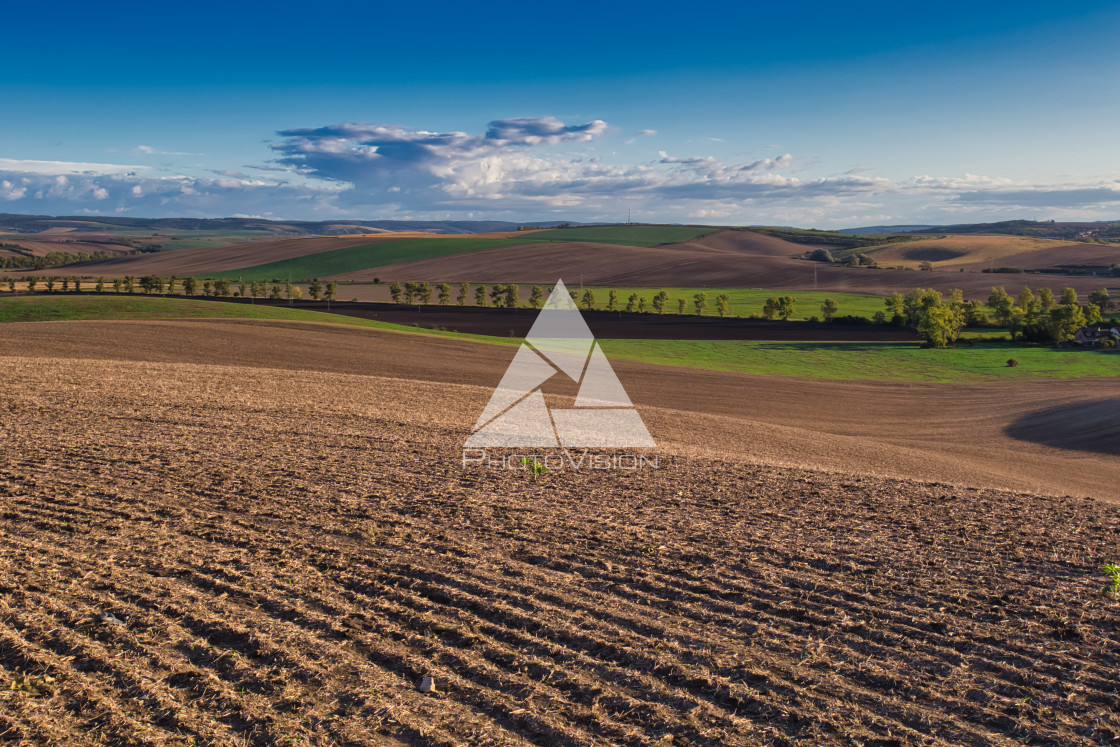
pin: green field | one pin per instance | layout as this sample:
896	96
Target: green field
625	235
870	361
744	301
363	257
841	361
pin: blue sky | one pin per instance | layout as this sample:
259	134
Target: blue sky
804	114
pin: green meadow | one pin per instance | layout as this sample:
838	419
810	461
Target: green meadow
363	257
744	301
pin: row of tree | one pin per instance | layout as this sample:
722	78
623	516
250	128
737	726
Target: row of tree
190	286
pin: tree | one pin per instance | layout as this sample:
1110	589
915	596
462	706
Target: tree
940	324
78	285
536	296
642	305
330	293
975	315
632	303
315	289
241	287
925	266
129	284
787	305
1045	299
293	292
275	294
612	299
50	285
99	286
409	292
700	301
1092	313
190	285
32	281
464	291
1027	301
1100	299
956	298
1069	296
588	300
895	305
480	295
512	294
1002	305
659	302
1066	319
65	284
723	304
424	290
681	304
12	284
444	294
117	285
208	288
770	308
498	295
917	300
829	309
395	291
171	286
821	255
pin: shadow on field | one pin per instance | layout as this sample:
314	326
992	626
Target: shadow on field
1084	426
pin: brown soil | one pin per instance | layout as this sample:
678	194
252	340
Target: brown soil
278	515
608	324
738	259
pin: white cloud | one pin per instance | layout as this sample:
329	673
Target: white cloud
148	150
65	167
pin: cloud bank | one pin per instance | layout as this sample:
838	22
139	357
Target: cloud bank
522	169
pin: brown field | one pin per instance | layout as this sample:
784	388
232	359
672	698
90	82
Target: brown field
64	243
974	253
739	259
278	516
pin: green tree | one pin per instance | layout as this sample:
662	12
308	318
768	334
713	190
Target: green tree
940	324
222	287
330	293
12	284
480	295
723	304
65	284
612	299
829	309
700	301
32	281
975	315
787	307
78	285
50	285
681	304
424	290
1069	296
770	308
956	298
536	296
895	305
464	292
242	287
498	296
410	290
444	293
512	293
1002	305
100	285
1100	299
642	305
1027	301
395	291
190	285
1066	319
588	300
632	303
315	289
118	284
208	289
171	285
1092	313
129	284
1045	299
660	301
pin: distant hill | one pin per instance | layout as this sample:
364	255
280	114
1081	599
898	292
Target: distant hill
15	223
1068	230
869	230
